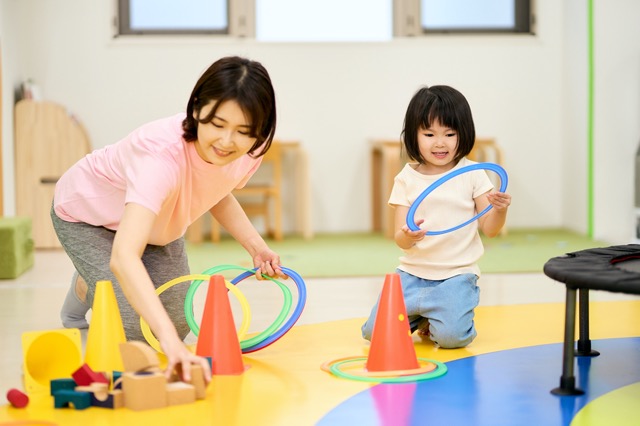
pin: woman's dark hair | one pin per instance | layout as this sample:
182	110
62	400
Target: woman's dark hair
445	105
243	81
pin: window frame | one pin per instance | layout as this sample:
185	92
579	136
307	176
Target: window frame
407	21
240	22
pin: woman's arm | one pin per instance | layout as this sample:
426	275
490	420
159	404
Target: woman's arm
491	223
230	215
126	263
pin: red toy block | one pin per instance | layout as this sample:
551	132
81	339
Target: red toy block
17	398
84	376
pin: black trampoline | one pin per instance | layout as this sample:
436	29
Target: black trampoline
615	269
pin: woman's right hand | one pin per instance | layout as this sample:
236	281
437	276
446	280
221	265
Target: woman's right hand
177	353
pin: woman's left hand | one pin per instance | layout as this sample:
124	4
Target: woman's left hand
268	263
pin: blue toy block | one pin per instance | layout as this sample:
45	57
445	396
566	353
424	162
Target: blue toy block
64	397
60	384
117	383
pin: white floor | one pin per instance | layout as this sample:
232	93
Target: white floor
32	302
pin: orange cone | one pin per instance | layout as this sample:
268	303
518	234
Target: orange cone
391	342
218	338
106	331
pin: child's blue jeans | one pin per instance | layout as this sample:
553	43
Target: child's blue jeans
448	305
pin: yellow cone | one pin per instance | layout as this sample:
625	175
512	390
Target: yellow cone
105	331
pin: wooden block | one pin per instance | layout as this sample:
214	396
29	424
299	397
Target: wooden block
197	379
113	399
80	400
180	393
138	356
19	399
144	391
84	376
117	380
60	384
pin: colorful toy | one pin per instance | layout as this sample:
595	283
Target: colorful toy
41	363
218	339
246	312
106	331
84	376
17	398
65	398
260	341
264	341
392	356
145	387
411	223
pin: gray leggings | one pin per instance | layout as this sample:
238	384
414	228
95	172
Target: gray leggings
89	248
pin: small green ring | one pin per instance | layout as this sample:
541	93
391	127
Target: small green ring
440	370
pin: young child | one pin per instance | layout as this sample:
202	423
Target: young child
439	273
122	211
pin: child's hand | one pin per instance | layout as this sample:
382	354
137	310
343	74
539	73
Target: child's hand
414	236
268	263
499	200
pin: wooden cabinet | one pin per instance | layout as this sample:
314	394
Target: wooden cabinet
48	140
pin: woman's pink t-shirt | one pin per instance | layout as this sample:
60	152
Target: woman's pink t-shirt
156	168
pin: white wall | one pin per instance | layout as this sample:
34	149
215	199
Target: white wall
528	92
617	112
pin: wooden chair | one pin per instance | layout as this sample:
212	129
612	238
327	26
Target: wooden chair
487	151
262	196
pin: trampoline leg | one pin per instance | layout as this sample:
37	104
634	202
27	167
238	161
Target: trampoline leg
584	343
568	379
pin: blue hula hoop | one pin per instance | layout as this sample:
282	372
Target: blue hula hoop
302	298
411	223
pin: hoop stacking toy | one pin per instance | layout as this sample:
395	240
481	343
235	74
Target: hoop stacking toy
411	223
246	312
392	356
430	369
268	336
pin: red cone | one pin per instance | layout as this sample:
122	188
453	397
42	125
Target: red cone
391	343
218	338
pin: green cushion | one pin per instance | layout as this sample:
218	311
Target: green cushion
16	246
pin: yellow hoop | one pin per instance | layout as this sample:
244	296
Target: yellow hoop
246	312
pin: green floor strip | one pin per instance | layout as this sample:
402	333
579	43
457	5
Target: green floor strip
367	254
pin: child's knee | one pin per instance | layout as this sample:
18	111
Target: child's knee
452	339
367	331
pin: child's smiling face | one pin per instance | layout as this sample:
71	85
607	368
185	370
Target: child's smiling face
438	146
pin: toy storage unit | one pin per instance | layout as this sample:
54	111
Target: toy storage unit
16	246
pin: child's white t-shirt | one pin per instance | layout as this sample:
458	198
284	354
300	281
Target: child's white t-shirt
439	257
154	167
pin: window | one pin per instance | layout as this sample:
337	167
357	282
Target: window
227	17
323	20
416	17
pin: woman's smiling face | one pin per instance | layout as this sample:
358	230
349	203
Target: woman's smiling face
226	137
